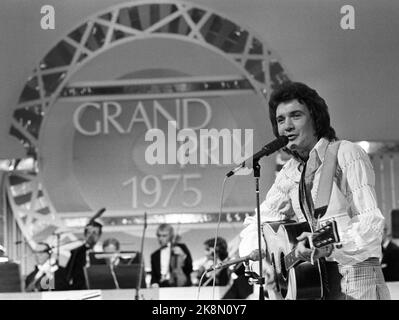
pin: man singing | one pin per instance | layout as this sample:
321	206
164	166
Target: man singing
352	271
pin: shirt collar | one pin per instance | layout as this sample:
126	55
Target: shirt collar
320	149
316	157
318	152
166	246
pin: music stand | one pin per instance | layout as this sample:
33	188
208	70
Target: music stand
100	258
120	277
96	259
99	277
128	276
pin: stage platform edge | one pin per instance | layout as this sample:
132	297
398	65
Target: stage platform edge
184	293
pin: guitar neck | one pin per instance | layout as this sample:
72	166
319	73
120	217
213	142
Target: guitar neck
290	260
324	236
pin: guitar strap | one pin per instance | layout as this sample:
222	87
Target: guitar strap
304	201
315	210
326	180
319	207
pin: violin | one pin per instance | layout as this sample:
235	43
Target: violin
177	276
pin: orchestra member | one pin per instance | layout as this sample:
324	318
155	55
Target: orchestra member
112	245
222	275
390	257
72	277
171	264
41	278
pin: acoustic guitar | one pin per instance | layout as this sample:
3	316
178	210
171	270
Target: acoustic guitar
295	279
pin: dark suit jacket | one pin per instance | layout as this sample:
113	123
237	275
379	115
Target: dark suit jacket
72	277
390	258
156	265
222	278
240	289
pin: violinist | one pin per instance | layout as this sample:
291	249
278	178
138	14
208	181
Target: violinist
41	278
72	276
171	264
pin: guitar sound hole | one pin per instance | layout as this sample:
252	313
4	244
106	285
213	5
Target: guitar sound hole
283	281
283	268
274	268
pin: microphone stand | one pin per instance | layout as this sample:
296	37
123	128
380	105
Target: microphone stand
57	259
111	268
141	258
260	280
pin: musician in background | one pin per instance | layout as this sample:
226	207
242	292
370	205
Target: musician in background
40	279
222	275
390	257
352	271
112	245
72	276
171	264
240	288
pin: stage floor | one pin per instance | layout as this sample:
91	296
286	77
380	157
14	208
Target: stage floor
186	293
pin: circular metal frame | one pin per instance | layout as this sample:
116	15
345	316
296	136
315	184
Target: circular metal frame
103	31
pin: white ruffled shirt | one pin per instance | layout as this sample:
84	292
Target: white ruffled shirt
353	203
165	261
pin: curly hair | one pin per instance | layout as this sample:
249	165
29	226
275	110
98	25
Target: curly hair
309	97
221	247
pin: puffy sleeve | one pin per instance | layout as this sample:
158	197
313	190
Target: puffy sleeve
362	237
277	206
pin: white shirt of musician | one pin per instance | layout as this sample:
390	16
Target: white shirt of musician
353	203
165	262
46	269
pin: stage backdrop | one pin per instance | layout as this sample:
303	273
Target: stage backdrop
355	70
143	108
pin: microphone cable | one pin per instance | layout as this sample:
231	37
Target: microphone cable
199	284
216	236
214	245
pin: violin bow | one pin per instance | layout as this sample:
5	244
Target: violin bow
97	215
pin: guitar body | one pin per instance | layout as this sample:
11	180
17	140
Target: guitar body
300	282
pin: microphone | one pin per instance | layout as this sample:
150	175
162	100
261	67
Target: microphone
268	149
254	256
